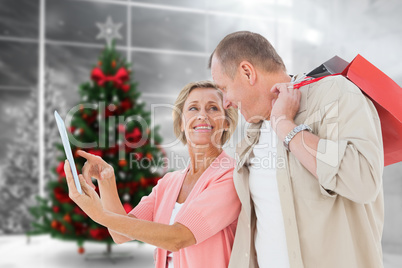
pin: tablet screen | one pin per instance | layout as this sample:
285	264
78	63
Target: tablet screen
67	149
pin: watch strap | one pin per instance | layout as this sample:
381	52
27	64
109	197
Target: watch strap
293	133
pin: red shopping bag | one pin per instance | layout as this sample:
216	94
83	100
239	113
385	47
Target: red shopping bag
386	95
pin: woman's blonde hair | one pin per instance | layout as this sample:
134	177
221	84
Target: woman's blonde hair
231	114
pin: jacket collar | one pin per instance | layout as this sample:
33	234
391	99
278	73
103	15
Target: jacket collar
247	144
304	90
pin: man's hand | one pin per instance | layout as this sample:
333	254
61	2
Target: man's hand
89	200
95	167
286	105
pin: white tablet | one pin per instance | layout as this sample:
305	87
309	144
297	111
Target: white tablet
67	149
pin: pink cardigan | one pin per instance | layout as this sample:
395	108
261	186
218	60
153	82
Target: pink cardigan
210	212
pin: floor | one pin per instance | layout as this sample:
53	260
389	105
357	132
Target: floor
44	252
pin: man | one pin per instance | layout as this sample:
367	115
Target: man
319	201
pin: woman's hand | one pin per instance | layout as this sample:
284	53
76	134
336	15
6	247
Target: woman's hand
95	167
89	200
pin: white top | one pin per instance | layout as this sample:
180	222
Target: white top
176	210
270	238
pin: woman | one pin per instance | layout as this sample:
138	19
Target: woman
191	215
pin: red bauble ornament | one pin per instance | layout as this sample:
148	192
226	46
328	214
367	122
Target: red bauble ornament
149	156
125	88
99	233
56	209
138	156
96	152
109	112
55	224
134	136
61	195
143	182
81	250
67	218
133	187
127	207
125	104
155	181
112	151
122	162
113	64
60	170
93	117
62	229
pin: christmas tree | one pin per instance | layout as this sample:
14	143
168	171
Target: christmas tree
20	183
109	122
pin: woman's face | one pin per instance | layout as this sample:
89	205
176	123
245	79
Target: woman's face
203	119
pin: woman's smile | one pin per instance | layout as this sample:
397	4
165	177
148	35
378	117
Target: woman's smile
203	128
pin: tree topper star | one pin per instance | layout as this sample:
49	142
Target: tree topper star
109	31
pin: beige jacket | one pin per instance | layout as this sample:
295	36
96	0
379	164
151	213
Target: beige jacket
335	220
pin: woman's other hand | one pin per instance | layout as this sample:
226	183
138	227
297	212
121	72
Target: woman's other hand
95	167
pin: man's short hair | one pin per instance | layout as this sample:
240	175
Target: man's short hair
245	45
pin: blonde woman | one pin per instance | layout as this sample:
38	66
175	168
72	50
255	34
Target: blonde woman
191	215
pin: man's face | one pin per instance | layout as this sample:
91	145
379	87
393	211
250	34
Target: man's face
237	92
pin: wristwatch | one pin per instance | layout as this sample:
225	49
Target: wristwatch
293	133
